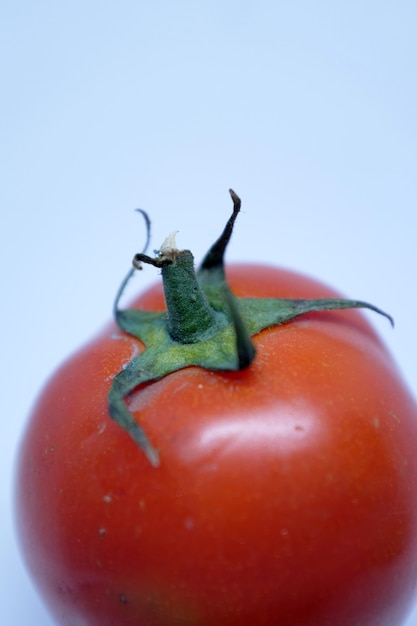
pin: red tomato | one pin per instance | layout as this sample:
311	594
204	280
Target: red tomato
286	492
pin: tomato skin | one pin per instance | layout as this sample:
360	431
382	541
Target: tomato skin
286	492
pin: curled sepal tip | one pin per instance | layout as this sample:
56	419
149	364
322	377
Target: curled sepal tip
215	256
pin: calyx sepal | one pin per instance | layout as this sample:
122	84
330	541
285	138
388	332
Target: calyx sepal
204	324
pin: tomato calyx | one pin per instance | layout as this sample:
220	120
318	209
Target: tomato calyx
204	325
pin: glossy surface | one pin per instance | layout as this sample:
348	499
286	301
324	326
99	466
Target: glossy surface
286	492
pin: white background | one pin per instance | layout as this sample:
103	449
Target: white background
307	109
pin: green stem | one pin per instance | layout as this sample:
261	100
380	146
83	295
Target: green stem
189	313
